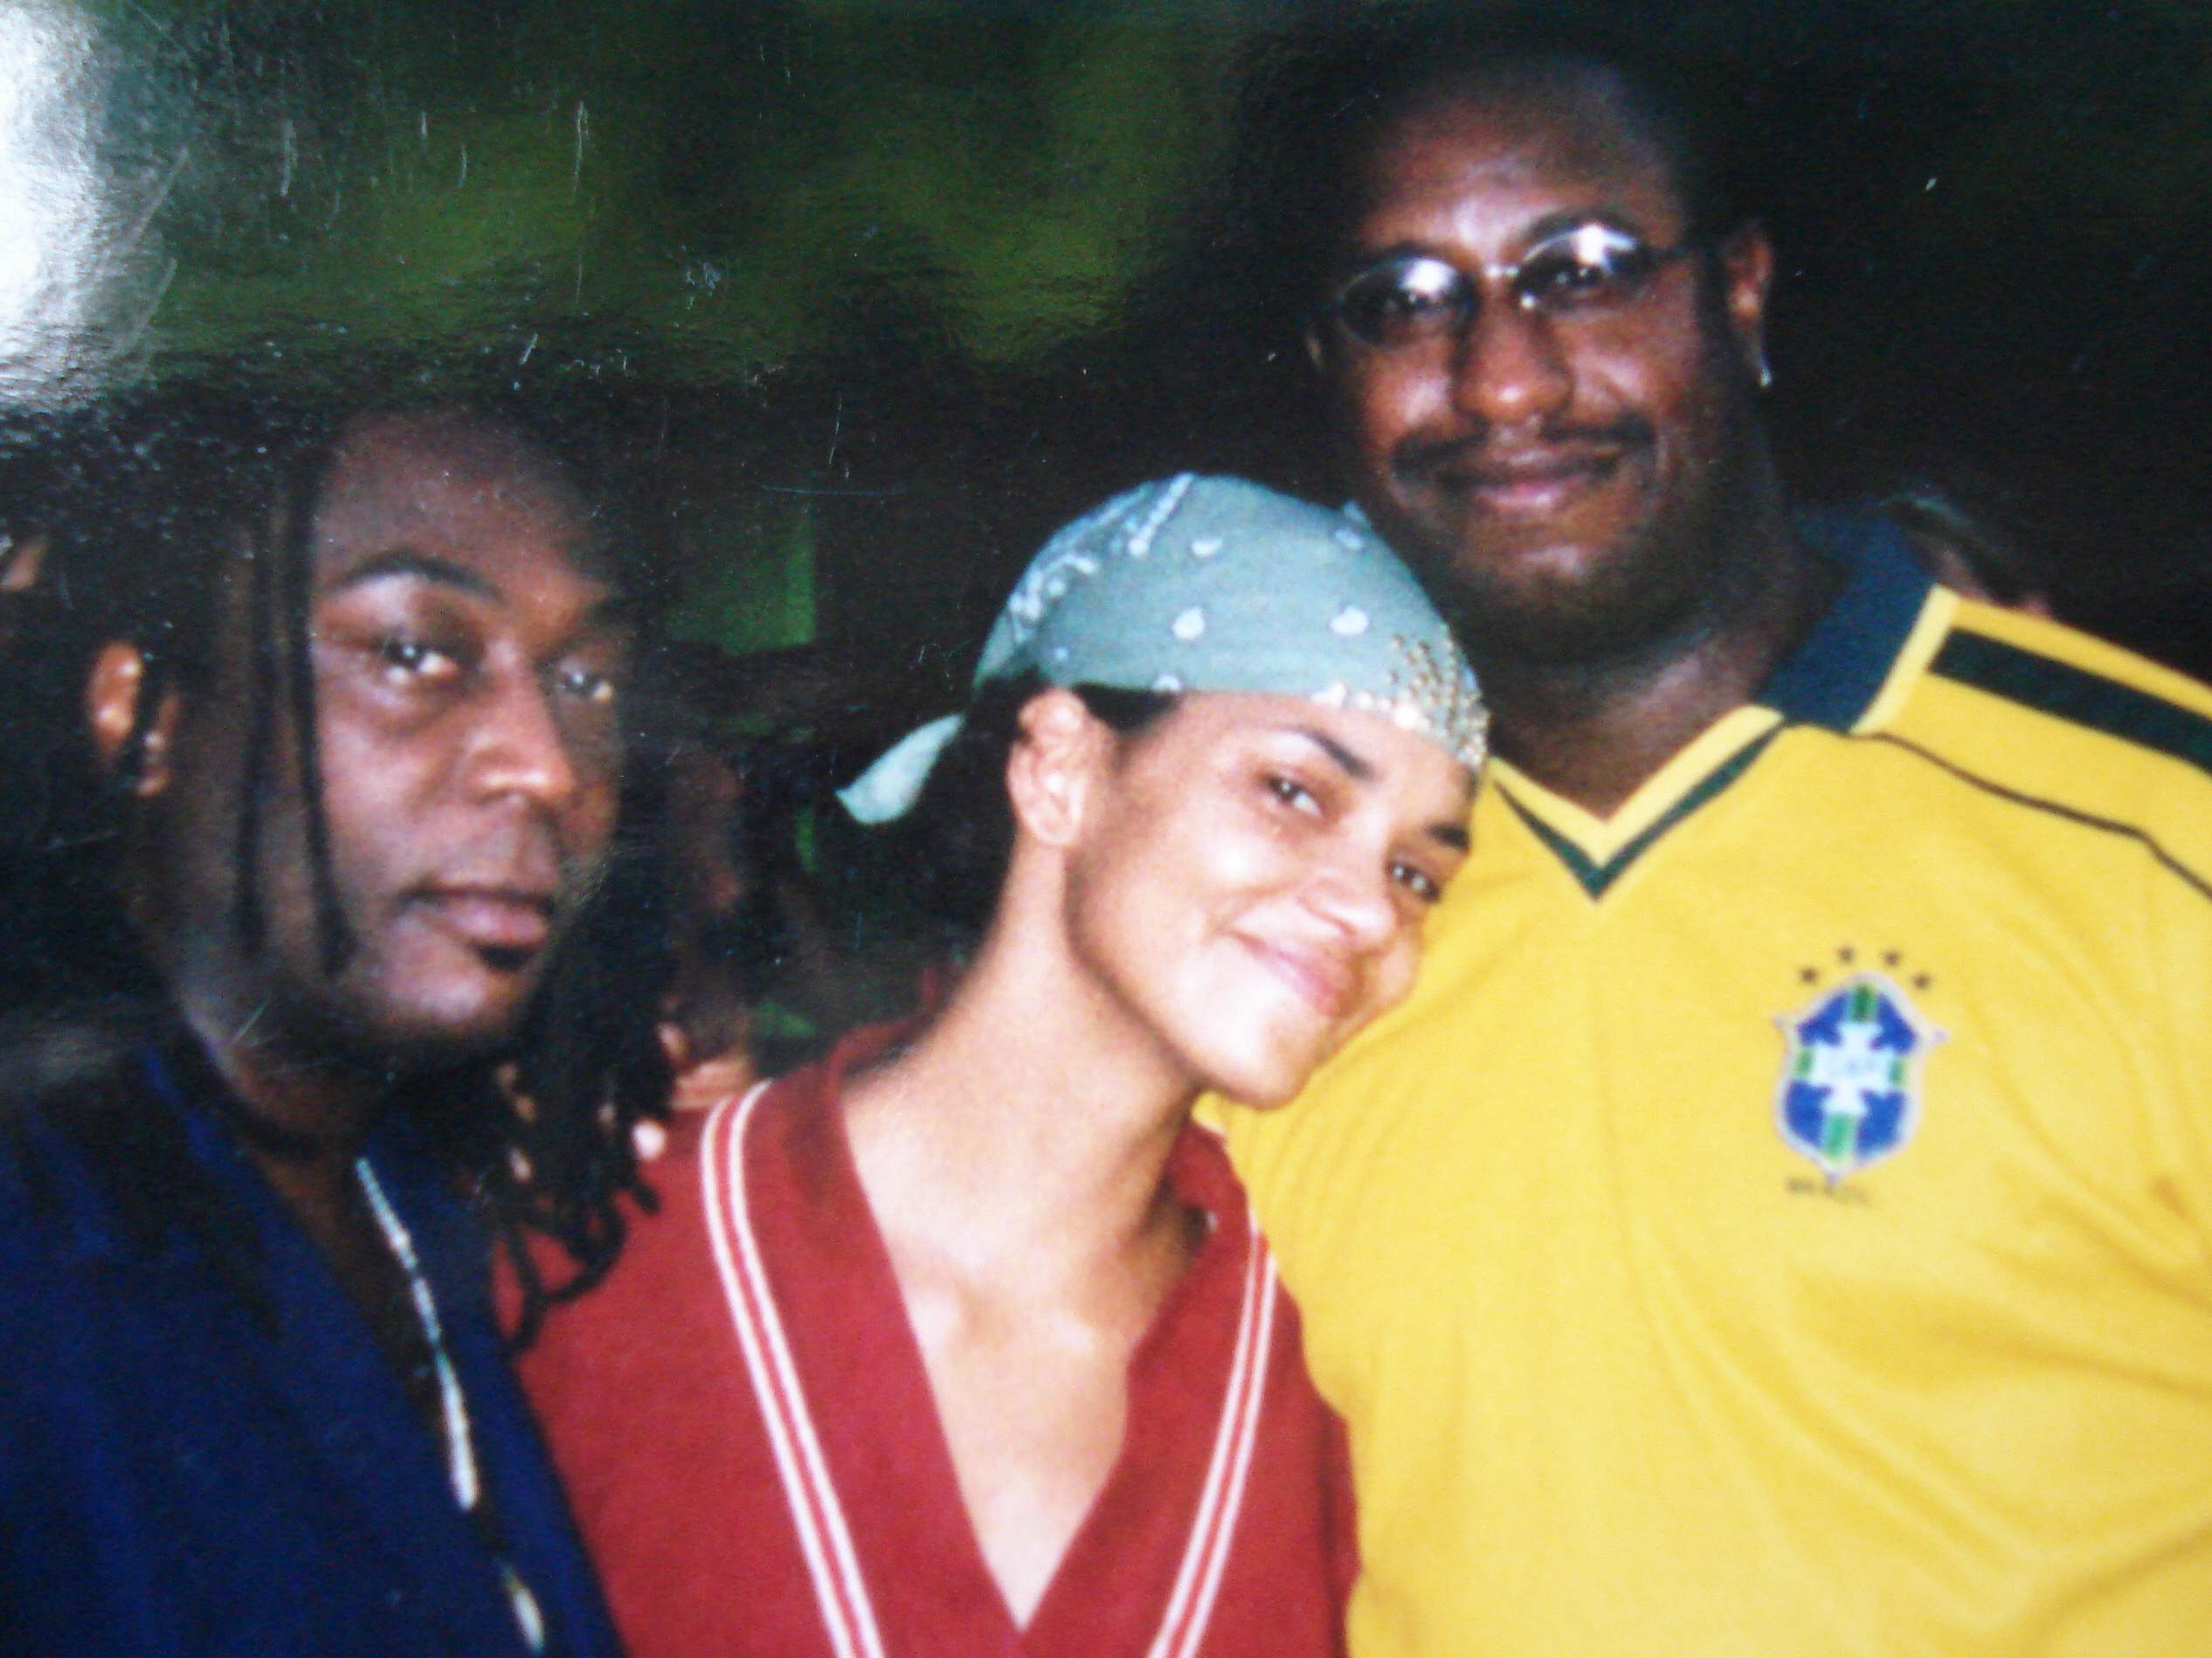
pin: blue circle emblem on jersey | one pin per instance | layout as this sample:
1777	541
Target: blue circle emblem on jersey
1850	1088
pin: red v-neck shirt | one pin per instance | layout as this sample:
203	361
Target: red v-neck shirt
732	1512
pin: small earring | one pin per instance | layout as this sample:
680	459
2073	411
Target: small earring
1766	374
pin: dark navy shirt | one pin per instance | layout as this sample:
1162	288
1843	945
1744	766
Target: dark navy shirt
178	1477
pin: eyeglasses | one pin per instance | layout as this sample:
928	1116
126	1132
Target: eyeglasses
1592	270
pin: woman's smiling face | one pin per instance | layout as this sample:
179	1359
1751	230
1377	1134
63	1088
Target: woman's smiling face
1251	878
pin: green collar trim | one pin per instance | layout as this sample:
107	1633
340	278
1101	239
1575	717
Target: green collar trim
1596	877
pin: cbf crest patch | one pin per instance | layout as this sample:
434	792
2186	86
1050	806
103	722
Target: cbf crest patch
1850	1090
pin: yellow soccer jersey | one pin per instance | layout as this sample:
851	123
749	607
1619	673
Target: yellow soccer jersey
1780	1222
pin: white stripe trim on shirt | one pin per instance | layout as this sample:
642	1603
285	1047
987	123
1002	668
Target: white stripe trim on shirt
1199	1580
849	1612
823	1536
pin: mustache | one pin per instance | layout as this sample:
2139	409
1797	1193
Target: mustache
1627	434
528	864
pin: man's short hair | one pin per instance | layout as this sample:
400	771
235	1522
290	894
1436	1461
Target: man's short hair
1315	113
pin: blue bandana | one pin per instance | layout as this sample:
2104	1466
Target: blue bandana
1216	584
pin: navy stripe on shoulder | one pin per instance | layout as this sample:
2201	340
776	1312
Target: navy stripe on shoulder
2077	695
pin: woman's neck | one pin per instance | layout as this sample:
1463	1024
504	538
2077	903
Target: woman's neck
1015	1160
1028	1128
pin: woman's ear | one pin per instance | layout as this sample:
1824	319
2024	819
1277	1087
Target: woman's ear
112	697
1059	748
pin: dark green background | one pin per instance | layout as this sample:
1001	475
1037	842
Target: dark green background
892	287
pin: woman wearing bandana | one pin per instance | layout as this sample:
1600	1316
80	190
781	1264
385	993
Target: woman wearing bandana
962	1341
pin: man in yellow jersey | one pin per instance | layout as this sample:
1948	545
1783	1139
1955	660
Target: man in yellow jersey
1780	1222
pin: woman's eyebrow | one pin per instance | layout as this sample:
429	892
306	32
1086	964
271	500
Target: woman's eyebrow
1350	764
1449	834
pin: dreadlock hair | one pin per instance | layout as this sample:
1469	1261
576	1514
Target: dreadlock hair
146	498
958	839
167	500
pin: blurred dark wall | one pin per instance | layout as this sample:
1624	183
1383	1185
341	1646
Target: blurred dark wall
890	289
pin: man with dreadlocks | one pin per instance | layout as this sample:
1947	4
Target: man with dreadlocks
355	699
